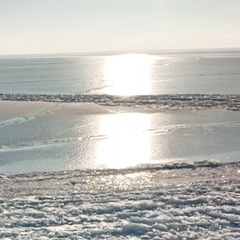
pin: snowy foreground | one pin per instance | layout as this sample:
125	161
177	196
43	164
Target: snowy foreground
199	201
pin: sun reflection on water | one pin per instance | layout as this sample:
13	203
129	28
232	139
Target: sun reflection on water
127	142
129	74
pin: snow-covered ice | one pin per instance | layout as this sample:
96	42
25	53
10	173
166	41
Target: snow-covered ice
167	101
181	201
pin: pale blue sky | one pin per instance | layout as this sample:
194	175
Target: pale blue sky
45	26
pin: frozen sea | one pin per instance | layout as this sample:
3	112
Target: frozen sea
157	72
50	140
42	141
107	170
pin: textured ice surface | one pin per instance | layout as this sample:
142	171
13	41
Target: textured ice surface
69	136
166	101
198	201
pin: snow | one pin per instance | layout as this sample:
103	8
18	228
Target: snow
198	202
167	101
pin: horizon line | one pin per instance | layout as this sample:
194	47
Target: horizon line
110	52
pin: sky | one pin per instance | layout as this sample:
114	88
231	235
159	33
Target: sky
57	26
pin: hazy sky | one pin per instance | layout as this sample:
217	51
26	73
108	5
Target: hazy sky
42	26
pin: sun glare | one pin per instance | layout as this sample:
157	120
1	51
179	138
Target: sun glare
127	142
129	74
